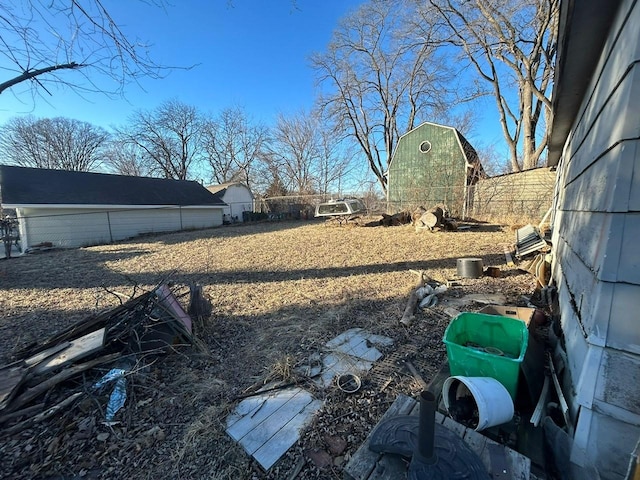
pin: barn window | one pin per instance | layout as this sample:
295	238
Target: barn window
425	146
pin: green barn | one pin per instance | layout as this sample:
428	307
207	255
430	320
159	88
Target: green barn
433	164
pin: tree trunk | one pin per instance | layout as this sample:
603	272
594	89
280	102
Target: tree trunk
433	218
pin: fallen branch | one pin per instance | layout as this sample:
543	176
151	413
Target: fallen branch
266	390
412	303
21	413
42	416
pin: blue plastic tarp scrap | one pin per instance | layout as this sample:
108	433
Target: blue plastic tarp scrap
118	394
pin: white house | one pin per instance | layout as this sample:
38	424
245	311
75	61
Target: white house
595	142
74	209
237	196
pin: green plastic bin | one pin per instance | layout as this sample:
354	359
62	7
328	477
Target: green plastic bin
480	345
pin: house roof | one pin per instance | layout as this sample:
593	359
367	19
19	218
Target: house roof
39	186
582	33
224	186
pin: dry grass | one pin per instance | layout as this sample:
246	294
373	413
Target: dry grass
279	292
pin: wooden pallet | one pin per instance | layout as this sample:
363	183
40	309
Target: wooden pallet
368	465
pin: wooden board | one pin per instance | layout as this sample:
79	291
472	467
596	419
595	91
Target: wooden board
267	425
283	439
30	362
76	350
368	465
11	378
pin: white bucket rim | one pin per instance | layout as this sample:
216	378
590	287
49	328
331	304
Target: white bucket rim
484	420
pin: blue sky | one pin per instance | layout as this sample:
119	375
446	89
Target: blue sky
252	53
248	53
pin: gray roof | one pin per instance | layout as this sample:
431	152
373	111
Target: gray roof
39	186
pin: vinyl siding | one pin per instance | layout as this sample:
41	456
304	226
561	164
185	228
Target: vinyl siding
77	227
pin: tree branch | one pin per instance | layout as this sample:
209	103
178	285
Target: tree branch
29	74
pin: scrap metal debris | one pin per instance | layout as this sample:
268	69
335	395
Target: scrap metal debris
423	296
131	334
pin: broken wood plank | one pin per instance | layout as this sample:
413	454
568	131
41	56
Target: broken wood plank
508	257
42	416
11	378
77	349
65	374
45	354
84	326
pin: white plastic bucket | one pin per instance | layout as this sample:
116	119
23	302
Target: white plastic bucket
492	400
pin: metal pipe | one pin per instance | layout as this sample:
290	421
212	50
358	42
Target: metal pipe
426	433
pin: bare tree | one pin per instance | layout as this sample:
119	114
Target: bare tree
307	154
294	150
124	157
43	39
168	138
335	159
509	43
58	143
381	79
233	145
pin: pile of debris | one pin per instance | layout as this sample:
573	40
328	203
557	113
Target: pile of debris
437	218
533	249
120	341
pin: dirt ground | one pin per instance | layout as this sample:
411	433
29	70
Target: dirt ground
279	291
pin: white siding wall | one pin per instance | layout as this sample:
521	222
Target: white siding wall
239	199
597	267
64	227
74	227
193	217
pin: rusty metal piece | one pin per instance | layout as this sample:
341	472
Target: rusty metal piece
494	272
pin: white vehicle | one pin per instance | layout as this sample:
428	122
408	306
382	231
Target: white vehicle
344	207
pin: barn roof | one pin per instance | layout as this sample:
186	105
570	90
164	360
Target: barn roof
469	152
40	186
